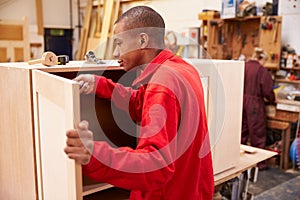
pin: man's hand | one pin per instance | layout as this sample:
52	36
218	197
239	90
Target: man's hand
86	83
80	144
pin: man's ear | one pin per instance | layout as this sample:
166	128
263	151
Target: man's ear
144	40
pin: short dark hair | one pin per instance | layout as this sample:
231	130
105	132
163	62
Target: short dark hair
144	19
141	16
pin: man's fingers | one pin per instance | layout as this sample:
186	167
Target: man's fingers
79	78
79	154
87	88
79	143
82	131
81	83
83	160
76	150
83	125
86	83
85	78
72	134
74	142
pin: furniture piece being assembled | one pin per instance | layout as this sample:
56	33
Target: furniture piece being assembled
43	102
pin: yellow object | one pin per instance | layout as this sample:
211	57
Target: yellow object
180	50
211	14
205	31
277	89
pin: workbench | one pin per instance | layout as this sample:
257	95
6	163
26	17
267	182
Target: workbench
287	113
249	157
247	161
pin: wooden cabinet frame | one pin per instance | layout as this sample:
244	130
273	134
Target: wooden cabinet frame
17	164
58	106
224	103
56	109
43	102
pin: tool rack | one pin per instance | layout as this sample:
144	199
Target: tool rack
233	37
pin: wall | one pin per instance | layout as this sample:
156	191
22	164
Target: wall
177	13
290	11
56	13
180	15
16	9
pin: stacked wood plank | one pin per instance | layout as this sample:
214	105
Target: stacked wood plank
84	31
103	46
97	28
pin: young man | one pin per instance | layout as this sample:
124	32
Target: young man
172	159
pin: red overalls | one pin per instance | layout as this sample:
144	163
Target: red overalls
258	85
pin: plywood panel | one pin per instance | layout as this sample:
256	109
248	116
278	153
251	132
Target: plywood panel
270	41
17	164
40	16
19	54
14	36
224	109
56	103
3	55
227	148
11	32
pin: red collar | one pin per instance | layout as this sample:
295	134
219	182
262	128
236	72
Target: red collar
153	66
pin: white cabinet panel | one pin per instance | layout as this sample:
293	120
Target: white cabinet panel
56	109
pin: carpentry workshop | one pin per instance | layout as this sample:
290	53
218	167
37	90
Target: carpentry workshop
150	100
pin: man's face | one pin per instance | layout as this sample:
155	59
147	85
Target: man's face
127	49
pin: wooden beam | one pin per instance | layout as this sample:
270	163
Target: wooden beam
106	21
39	16
85	31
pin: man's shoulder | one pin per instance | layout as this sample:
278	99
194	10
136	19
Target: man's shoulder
178	65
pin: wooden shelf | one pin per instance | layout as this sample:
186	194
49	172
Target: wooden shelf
271	66
293	68
243	18
288	81
90	189
288	102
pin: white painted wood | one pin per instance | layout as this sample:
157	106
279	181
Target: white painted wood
56	103
224	109
17	164
56	108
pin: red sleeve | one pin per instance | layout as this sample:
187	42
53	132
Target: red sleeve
267	86
104	88
150	165
123	97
